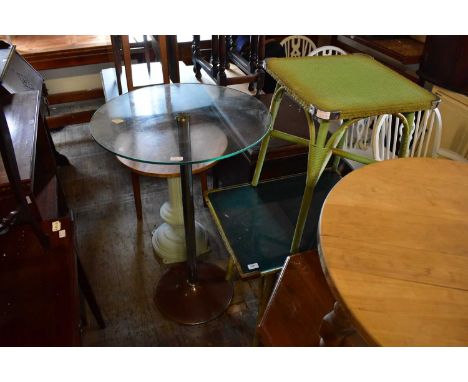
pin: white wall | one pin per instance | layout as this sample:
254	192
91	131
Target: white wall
76	78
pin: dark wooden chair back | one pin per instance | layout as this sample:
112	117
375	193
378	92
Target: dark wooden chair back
298	303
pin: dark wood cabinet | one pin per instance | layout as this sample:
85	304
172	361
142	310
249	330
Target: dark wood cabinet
39	302
222	53
38	289
445	62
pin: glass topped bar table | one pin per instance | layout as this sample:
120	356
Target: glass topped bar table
176	125
343	88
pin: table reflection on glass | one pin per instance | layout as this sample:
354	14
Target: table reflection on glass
179	124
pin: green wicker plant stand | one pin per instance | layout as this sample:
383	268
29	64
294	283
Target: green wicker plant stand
348	88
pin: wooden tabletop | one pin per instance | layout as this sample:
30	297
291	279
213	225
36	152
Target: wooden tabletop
405	49
394	248
51	52
40	44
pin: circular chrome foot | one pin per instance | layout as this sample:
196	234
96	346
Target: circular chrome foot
193	304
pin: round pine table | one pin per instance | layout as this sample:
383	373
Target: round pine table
393	241
179	124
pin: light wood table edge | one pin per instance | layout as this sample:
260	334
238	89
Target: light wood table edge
370	340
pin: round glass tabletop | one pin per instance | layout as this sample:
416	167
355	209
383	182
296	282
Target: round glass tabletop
141	125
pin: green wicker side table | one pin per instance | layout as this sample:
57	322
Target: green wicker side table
348	88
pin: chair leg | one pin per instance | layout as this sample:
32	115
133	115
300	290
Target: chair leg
214	56
204	186
164	58
146	47
127	62
253	59
274	106
195	56
268	282
221	78
88	293
301	219
137	194
215	177
230	269
335	327
317	159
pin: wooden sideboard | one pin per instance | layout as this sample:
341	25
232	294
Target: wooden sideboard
53	52
401	53
39	299
39	269
445	62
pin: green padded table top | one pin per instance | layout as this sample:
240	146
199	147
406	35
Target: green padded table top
354	85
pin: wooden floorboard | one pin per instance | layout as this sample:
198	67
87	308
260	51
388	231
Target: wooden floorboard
117	255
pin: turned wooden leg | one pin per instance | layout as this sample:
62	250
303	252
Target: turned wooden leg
214	56
222	78
335	327
195	56
253	58
229	48
116	46
137	194
260	65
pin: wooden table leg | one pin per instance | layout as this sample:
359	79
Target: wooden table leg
164	57
335	327
214	56
116	46
253	58
137	194
222	78
127	62
196	54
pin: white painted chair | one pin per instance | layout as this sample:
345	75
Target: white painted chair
459	147
382	141
297	46
358	140
327	50
424	136
450	154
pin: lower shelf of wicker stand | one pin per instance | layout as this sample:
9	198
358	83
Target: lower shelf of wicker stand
258	222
